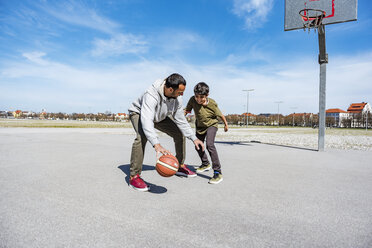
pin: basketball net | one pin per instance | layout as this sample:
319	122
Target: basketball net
312	19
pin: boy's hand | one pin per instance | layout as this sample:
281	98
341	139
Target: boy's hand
226	128
159	149
198	143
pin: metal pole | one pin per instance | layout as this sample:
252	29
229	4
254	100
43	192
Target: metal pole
248	105
278	116
278	110
367	121
247	109
323	60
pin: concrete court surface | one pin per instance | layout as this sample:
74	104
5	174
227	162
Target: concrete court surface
68	188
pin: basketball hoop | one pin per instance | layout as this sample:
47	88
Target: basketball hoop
312	18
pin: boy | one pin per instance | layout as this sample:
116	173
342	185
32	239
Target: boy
206	123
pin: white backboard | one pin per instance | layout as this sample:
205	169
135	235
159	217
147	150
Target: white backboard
336	11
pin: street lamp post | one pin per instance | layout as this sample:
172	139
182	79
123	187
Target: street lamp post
248	104
367	112
278	109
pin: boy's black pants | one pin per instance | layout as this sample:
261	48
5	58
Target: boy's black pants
209	136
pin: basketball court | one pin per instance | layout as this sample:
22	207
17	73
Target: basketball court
68	188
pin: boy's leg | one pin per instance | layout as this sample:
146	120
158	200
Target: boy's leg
210	137
169	127
138	147
202	154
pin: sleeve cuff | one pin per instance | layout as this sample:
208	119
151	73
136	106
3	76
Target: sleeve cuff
154	141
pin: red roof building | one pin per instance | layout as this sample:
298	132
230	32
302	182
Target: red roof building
249	114
356	108
335	110
359	113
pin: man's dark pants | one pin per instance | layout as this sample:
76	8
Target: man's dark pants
138	148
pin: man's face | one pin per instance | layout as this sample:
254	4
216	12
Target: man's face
201	99
176	93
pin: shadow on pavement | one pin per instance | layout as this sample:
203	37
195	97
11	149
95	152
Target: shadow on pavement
155	189
192	168
246	143
203	176
293	147
242	143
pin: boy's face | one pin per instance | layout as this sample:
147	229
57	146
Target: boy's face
201	99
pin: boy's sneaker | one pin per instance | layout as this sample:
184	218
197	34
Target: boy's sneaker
137	183
203	168
217	178
186	172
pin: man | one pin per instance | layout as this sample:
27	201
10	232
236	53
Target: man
160	107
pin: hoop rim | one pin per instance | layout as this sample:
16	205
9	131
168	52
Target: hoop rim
310	18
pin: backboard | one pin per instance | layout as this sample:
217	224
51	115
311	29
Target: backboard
336	11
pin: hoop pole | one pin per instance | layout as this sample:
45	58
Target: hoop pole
323	60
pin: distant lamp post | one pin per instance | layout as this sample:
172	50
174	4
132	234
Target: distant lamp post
248	104
367	112
293	115
244	118
278	109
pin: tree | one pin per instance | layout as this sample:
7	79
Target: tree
346	122
330	121
233	119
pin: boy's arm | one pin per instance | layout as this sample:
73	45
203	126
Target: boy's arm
219	114
188	108
225	122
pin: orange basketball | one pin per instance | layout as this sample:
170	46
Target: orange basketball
167	165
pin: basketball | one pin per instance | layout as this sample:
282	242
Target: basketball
167	165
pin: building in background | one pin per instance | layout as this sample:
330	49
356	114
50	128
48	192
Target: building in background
359	113
336	117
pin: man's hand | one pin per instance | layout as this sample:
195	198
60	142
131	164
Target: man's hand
159	149
198	143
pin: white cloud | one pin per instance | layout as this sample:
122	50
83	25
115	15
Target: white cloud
178	40
254	12
118	45
36	57
295	83
79	14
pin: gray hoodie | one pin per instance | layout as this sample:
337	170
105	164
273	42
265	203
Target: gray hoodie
154	106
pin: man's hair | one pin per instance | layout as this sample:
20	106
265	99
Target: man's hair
174	81
201	89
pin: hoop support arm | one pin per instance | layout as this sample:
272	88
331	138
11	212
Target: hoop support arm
323	56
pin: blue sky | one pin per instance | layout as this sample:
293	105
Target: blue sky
94	56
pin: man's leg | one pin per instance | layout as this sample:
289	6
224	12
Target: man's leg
138	147
169	127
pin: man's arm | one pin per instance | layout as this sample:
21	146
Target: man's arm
148	107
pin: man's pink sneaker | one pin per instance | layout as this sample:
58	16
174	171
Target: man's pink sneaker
185	171
137	183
